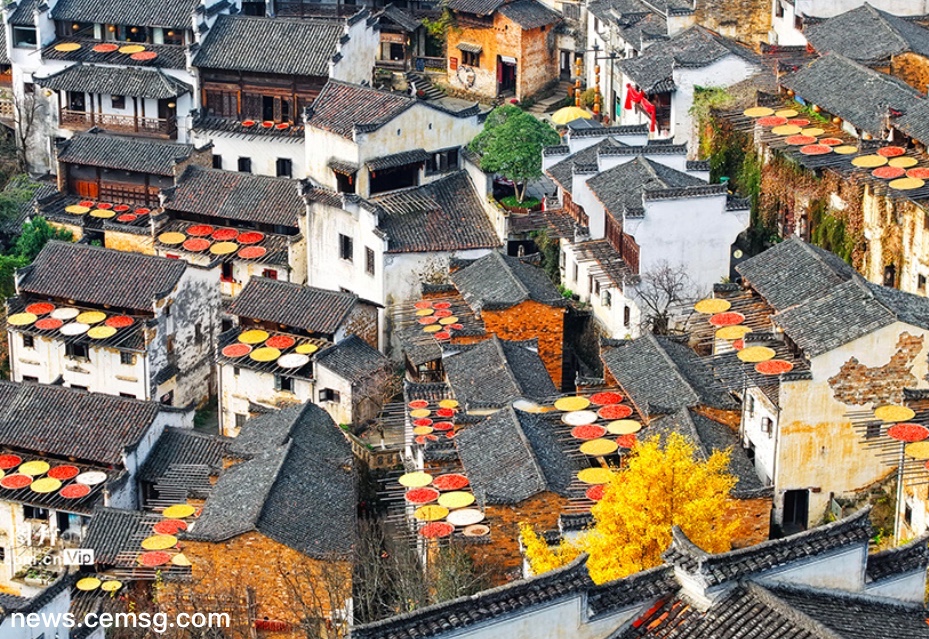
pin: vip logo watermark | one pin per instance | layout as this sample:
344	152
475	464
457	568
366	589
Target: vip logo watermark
67	557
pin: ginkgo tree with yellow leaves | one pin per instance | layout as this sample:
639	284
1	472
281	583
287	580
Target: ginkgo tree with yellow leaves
663	484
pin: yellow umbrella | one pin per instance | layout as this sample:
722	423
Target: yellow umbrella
570	114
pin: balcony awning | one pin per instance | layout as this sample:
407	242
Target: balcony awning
470	48
345	168
142	83
397	159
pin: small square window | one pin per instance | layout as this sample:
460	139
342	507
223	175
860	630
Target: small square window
921	282
873	430
369	261
28	341
236	370
240	420
127	359
346	248
226	272
284	383
245	165
329	395
217	161
471	58
118	101
76	351
285	167
270	273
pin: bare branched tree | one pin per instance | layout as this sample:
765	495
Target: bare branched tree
374	392
27	111
660	291
320	592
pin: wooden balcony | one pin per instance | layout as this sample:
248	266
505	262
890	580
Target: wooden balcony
149	127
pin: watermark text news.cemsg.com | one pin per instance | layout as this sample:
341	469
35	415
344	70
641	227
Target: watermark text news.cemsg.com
158	622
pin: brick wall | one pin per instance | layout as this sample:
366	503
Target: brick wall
754	517
530	320
857	384
746	20
273	571
501	558
913	69
362	321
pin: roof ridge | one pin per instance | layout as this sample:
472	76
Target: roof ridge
498	345
882	17
673	363
772	601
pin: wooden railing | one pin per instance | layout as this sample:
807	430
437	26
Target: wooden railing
422	62
156	127
7	111
630	253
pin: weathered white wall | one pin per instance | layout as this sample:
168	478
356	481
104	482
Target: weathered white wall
358	54
908	587
341	411
238	388
263	150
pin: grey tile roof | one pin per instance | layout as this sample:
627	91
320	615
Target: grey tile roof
177	14
513	455
755	560
353	359
238	196
110	532
857	94
132	81
341	107
23	13
915	122
56	420
640	586
563	171
909	557
25	605
780	611
495	371
623	186
309	308
850	310
445	215
711	436
504	601
128	154
529	14
396	15
696	47
397	159
270	45
498	281
867	34
662	376
96	275
480	7
794	271
296	485
184	447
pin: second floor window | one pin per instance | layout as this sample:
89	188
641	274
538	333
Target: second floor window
217	161
470	59
24	37
369	261
118	101
76	351
245	165
442	161
285	167
346	248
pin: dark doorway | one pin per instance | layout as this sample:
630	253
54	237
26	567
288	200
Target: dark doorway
565	60
890	276
796	511
76	101
506	76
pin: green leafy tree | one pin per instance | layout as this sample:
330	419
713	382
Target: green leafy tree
511	145
36	233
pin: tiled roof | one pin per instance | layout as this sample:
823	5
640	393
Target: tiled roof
56	420
529	14
780	611
623	186
353	359
296	486
498	281
495	371
309	308
270	45
398	16
663	376
739	564
850	310
695	47
176	14
238	196
23	13
132	81
915	122
128	154
167	56
505	601
563	171
110	531
640	586
794	271
867	34
711	436
445	215
397	159
855	93
96	275
900	560
480	7
341	107
512	456
184	447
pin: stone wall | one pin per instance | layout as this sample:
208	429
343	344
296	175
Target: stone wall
857	384
362	321
754	517
745	20
913	69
